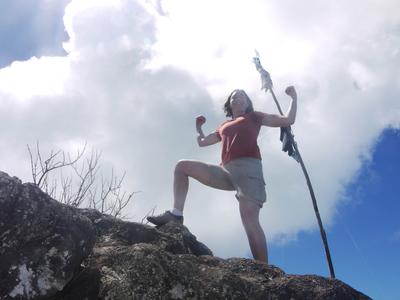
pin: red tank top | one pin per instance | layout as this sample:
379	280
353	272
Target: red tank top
239	137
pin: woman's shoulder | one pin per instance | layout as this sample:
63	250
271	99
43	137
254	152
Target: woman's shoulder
257	116
258	113
224	123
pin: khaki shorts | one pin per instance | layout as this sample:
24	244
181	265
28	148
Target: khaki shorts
244	175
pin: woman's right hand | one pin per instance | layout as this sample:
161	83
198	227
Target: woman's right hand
291	91
200	120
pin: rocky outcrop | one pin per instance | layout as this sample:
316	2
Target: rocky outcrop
144	271
53	251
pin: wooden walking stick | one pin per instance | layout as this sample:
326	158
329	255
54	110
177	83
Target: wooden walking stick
290	145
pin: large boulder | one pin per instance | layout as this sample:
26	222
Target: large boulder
136	261
53	251
42	242
145	271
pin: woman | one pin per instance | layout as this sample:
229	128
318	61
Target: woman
240	169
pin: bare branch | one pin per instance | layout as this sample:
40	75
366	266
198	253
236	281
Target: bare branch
33	165
80	187
150	213
50	165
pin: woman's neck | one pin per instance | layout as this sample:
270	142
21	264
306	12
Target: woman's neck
238	114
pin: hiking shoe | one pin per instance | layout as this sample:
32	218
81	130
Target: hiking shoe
165	218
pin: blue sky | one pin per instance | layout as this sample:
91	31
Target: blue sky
120	60
364	240
21	34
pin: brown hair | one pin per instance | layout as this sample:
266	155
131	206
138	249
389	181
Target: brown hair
227	105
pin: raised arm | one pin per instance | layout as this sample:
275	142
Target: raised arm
203	140
289	118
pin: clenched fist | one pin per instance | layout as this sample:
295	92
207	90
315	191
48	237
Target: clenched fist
290	90
200	120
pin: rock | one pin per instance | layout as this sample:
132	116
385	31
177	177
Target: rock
136	261
53	251
187	240
144	271
171	237
42	241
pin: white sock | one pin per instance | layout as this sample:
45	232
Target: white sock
177	212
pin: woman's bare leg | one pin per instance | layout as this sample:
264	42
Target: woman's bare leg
211	175
249	212
200	171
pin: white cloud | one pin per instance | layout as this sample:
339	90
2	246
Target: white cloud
40	77
133	81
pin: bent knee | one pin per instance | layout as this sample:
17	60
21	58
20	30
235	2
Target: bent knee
182	166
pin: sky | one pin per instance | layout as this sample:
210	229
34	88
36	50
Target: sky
128	77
